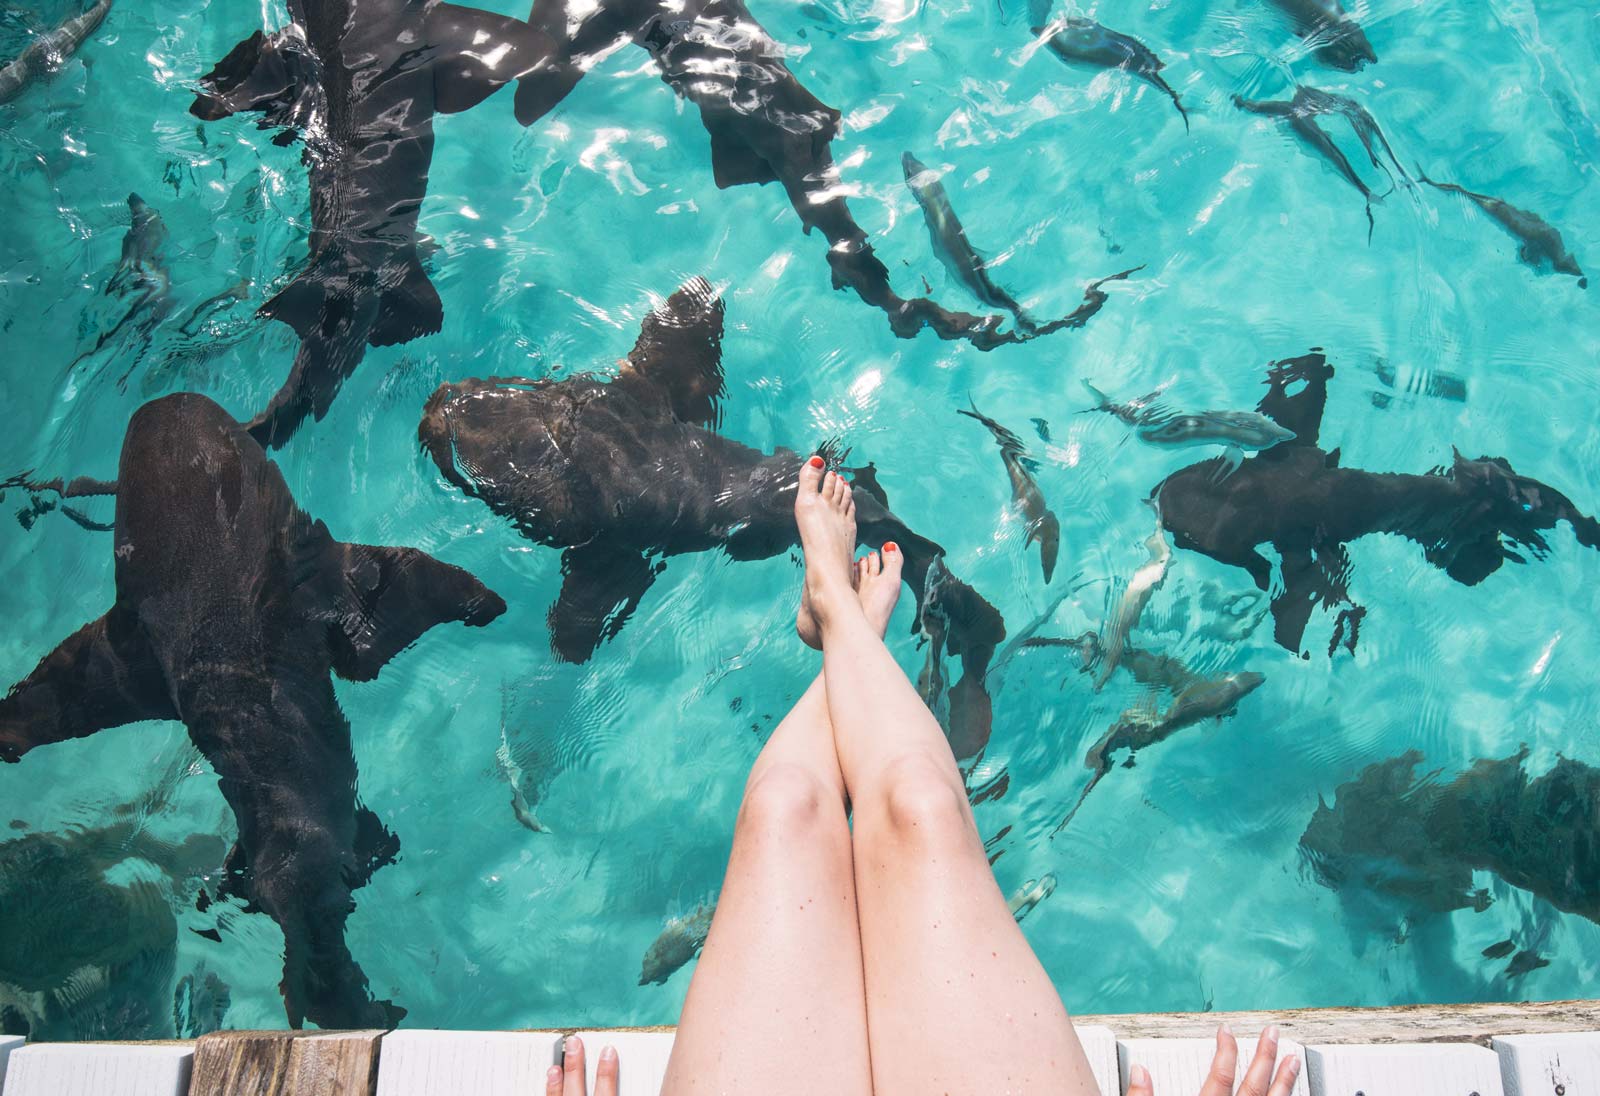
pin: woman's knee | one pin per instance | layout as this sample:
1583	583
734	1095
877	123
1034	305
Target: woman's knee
787	800
922	800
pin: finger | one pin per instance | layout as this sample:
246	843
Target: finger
1139	1082
552	1082
605	1080
574	1080
1283	1083
1259	1074
1219	1082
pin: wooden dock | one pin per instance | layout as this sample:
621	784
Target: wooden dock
1540	1049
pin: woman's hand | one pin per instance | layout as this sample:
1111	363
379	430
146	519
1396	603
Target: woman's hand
1219	1082
570	1079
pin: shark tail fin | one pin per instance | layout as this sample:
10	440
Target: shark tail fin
103	675
384	599
409	309
333	289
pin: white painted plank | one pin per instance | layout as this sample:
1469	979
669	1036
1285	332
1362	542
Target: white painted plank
1178	1067
1100	1046
1404	1069
1566	1064
465	1063
8	1043
99	1069
642	1058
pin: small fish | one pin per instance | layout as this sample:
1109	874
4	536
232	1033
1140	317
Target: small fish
950	242
1076	39
1146	580
1301	113
1525	962
141	276
1210	698
49	52
1500	950
680	941
1337	40
1135	412
513	776
1042	524
1541	245
1240	429
1030	894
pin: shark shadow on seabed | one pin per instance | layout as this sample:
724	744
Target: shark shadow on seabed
232	608
1469	518
623	473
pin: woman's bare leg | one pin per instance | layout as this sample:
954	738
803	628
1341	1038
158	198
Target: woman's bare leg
956	1000
778	1004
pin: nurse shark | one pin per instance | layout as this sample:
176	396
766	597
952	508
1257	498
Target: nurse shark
359	81
622	473
232	608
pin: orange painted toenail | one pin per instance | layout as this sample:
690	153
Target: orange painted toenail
816	462
891	546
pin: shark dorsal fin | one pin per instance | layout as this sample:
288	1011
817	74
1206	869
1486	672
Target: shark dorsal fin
679	351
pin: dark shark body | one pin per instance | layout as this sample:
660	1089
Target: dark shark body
765	127
625	472
1337	39
232	608
142	279
360	82
1540	244
1419	840
1468	518
1042	524
1080	40
1301	113
48	51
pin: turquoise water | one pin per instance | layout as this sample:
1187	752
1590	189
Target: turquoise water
1181	885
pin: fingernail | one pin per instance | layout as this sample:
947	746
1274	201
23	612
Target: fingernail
608	1054
1271	1034
553	1076
891	546
572	1046
1224	1029
1292	1064
816	462
1138	1075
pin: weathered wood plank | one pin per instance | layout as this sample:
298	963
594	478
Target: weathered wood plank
1476	1023
286	1063
99	1069
1422	1069
1180	1066
642	1058
465	1063
1556	1064
1100	1047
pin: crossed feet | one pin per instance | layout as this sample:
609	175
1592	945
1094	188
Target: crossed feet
835	581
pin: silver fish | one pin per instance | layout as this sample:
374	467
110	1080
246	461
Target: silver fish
513	775
950	242
680	941
1144	583
1240	429
1043	526
1030	894
49	51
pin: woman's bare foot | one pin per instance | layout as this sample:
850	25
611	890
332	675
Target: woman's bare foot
878	585
826	516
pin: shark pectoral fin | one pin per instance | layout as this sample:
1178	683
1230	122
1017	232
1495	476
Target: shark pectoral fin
600	588
385	598
679	351
1305	584
734	163
409	309
265	73
478	52
376	846
103	675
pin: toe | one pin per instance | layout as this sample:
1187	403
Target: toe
873	564
892	559
845	499
810	476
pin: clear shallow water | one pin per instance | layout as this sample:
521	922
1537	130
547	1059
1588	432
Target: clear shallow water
1181	884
